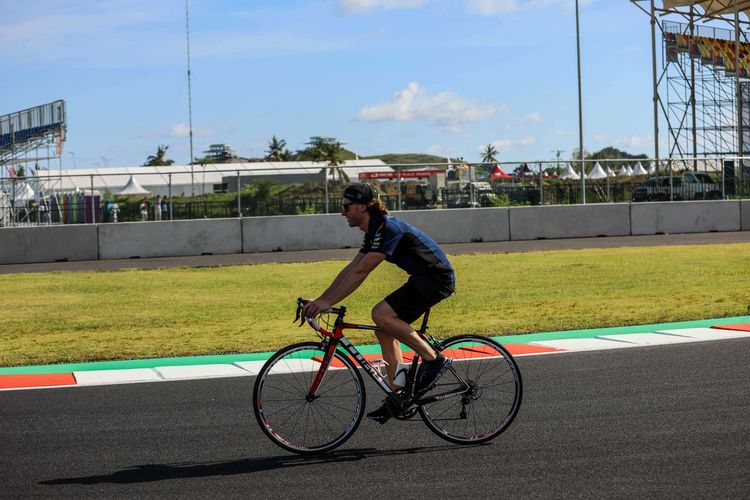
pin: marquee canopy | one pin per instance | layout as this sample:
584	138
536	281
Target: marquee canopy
712	7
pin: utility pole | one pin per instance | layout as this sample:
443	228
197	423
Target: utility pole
558	155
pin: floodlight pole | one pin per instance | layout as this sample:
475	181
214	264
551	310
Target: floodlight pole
580	111
655	86
190	98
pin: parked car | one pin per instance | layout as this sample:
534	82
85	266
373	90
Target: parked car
688	186
478	186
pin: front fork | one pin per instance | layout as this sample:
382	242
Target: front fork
329	347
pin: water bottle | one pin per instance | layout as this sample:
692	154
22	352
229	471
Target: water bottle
401	370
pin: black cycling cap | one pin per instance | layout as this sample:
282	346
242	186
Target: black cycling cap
359	192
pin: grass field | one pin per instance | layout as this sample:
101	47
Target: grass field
106	315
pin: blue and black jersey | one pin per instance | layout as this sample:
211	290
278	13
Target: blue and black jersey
408	248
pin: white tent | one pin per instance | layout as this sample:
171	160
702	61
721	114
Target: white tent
624	172
201	178
21	193
610	173
630	170
651	168
597	172
639	170
570	173
132	187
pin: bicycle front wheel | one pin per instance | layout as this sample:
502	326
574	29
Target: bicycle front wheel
301	424
486	385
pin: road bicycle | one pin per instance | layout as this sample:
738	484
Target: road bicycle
310	398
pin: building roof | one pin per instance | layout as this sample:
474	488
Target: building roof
712	7
151	178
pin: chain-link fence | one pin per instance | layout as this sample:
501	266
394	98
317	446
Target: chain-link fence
27	201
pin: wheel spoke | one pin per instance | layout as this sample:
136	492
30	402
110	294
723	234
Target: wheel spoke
492	397
292	421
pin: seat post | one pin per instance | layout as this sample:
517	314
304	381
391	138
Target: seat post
423	328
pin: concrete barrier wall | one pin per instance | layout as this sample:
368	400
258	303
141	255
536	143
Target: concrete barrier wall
684	217
298	232
569	221
462	225
745	215
169	238
306	232
23	245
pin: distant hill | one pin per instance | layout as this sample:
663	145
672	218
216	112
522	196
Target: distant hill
388	158
407	158
611	152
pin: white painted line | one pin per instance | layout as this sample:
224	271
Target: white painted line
200	371
100	377
707	333
648	338
593	344
253	367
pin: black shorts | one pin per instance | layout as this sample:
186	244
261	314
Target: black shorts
416	296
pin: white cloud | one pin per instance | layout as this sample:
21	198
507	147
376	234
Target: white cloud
79	31
501	7
445	109
183	130
564	133
524	120
503	145
530	118
601	136
631	141
359	6
493	7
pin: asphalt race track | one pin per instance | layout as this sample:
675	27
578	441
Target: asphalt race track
665	421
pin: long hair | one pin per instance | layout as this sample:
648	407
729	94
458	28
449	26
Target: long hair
376	207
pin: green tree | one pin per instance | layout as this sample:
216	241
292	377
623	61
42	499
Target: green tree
159	159
611	153
575	159
277	150
489	154
328	150
259	195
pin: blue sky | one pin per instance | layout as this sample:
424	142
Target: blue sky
382	76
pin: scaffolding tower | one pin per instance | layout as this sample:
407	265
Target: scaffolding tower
30	142
702	89
701	93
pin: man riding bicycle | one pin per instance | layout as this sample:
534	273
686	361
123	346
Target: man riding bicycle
431	279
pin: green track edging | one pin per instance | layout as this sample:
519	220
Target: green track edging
364	349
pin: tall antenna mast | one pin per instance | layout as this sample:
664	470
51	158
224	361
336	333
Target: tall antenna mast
190	97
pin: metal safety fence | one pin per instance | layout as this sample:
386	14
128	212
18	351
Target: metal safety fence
35	200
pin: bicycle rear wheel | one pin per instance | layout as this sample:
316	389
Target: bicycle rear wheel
305	426
491	395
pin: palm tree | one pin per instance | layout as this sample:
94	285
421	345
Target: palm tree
159	159
489	154
328	149
277	150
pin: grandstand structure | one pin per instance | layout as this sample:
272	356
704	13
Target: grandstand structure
29	141
702	88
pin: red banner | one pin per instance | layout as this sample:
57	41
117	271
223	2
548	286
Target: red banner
405	174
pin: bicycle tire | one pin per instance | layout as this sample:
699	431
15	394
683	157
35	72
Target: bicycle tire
491	404
289	419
